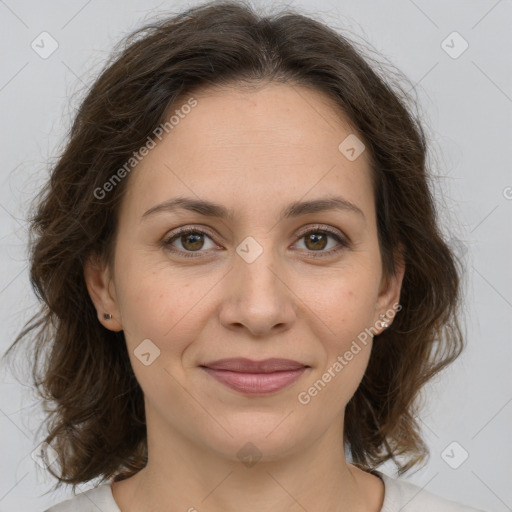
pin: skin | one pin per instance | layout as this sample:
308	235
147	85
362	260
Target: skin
255	151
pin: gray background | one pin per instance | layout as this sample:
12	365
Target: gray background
466	103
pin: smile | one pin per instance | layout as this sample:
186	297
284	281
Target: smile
255	377
256	383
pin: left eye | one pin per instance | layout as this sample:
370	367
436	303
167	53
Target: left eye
193	240
316	240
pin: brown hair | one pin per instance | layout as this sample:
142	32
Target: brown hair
96	422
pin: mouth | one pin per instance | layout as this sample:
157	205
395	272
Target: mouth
255	377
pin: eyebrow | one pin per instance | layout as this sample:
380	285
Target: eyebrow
211	209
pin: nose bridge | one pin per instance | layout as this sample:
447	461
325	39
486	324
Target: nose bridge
258	297
256	265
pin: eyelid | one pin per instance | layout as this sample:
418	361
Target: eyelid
322	227
189	228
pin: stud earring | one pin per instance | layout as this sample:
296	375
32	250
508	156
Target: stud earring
107	316
384	322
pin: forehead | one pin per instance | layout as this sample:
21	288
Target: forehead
248	145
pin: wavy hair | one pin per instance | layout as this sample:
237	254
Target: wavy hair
94	405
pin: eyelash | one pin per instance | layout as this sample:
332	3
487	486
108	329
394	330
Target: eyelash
196	254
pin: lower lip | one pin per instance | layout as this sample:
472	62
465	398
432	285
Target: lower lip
256	383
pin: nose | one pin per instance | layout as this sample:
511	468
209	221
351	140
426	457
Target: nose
258	297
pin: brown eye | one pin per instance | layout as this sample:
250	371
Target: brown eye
188	241
192	241
316	241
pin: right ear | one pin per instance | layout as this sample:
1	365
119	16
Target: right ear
101	288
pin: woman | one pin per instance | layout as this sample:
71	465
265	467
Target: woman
243	283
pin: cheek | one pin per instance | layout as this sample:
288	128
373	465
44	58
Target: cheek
162	304
343	303
158	326
344	309
342	368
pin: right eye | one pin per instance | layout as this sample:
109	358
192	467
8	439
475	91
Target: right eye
192	240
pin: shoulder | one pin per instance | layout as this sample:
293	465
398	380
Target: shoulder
404	496
92	500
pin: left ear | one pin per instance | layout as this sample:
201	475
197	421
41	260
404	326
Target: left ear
389	293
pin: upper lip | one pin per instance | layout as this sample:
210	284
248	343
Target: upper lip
244	365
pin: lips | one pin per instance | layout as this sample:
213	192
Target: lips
255	377
249	366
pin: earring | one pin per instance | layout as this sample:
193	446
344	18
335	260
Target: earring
107	316
384	323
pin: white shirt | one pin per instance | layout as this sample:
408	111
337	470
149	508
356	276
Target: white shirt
399	496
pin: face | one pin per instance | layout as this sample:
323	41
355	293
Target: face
266	282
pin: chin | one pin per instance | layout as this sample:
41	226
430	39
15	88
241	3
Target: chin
265	437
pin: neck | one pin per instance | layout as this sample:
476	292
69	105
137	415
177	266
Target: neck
181	475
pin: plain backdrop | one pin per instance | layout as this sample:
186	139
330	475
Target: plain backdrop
465	94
